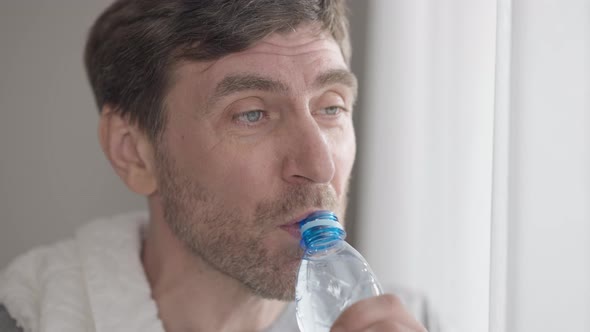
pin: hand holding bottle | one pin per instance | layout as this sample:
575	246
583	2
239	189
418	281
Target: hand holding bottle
384	313
336	288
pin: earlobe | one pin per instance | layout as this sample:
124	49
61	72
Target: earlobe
129	151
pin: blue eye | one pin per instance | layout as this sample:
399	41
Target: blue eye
251	116
332	110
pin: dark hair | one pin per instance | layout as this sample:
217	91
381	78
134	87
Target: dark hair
133	45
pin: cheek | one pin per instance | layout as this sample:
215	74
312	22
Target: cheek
242	176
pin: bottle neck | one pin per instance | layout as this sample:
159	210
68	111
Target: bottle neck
322	237
320	231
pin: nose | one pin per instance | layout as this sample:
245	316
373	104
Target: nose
308	157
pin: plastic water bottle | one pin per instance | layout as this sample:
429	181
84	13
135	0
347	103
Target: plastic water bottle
332	275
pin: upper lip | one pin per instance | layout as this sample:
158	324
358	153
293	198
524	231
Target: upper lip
300	217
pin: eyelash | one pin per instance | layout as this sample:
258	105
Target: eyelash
340	110
241	118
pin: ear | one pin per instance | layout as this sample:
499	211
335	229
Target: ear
129	150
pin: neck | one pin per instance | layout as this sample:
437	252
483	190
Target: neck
193	296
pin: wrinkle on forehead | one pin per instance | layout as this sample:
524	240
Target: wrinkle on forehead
304	34
305	47
302	40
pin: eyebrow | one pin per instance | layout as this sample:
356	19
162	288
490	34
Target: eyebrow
243	82
337	76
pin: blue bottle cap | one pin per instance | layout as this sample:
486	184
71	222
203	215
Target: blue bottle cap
319	218
319	229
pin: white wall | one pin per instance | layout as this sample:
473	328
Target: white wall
53	175
426	159
549	197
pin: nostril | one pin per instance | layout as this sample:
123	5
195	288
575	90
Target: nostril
310	171
300	179
309	155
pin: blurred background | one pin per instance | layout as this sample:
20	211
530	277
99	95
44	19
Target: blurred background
472	182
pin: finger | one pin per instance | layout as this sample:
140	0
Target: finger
369	311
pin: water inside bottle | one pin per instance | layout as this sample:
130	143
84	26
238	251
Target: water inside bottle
328	286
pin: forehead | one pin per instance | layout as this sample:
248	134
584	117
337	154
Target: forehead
299	41
295	58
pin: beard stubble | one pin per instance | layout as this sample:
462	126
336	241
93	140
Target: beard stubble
233	243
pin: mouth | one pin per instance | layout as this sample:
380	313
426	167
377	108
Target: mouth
292	227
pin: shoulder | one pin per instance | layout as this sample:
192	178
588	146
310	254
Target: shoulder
48	275
23	281
7	323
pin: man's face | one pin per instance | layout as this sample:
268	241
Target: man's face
254	142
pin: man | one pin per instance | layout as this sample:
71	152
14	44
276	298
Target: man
234	119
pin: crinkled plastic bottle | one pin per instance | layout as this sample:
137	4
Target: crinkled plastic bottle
332	275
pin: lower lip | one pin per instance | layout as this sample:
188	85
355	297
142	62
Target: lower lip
292	229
